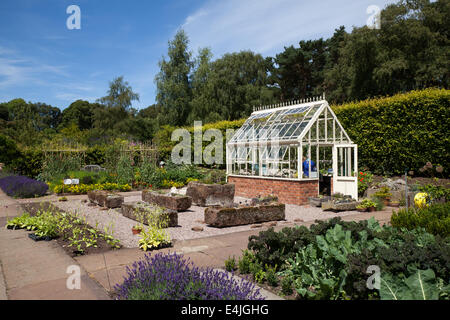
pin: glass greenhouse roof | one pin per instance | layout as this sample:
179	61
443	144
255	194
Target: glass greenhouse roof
285	123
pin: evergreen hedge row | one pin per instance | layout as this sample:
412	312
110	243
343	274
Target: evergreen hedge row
393	134
400	132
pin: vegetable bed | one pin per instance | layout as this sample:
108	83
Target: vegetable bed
336	260
73	234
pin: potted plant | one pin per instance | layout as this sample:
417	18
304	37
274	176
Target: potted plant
395	204
361	208
384	194
137	229
368	204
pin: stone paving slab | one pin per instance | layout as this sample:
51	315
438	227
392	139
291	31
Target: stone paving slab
57	290
37	270
3	295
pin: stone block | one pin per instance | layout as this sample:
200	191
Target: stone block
134	210
105	198
205	195
341	206
227	217
171	201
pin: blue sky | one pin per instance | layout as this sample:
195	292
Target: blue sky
41	60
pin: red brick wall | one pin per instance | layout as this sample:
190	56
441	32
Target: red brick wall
288	191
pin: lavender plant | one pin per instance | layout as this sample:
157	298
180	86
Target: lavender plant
23	187
171	277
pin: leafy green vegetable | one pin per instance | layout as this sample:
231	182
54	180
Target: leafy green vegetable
421	285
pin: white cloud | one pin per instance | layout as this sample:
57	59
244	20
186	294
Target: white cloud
71	97
266	26
15	70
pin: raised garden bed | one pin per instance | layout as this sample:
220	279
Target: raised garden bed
171	201
205	195
140	211
104	242
228	217
105	198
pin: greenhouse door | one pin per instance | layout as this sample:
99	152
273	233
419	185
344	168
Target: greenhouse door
345	170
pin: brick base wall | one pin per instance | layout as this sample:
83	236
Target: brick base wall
287	191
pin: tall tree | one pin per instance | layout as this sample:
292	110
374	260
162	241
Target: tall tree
81	113
172	82
202	102
300	71
117	109
229	87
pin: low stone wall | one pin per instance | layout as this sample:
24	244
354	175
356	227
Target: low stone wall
227	217
174	202
135	209
288	191
105	198
205	195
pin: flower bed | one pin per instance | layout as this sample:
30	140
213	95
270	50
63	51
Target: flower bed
171	277
23	187
85	188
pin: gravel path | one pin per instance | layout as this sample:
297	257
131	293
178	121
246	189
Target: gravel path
121	226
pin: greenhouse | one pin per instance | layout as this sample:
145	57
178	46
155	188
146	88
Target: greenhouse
301	142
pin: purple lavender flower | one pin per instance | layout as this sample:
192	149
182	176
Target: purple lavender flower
23	187
170	277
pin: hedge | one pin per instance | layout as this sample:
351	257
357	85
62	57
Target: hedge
395	133
400	132
28	163
165	144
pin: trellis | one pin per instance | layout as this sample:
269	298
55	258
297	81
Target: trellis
146	151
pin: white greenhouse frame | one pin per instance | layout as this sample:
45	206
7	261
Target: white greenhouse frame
272	142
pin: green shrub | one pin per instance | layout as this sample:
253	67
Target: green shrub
271	276
435	219
96	155
245	262
8	150
230	264
436	193
29	163
379	203
398	132
286	286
